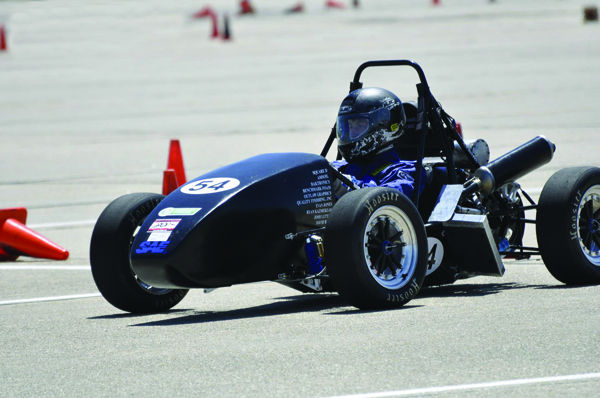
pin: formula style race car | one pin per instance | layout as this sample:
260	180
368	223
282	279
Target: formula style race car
292	218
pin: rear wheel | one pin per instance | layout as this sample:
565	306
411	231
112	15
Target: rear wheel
111	243
376	248
568	225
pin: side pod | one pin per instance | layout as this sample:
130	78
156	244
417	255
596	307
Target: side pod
467	238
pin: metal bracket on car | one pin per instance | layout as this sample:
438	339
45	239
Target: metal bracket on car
313	283
469	242
446	203
302	234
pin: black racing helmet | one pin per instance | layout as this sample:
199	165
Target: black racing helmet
368	122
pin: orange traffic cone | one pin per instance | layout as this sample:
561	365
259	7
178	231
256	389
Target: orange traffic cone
295	9
334	4
169	181
209	12
2	39
246	7
175	161
215	26
203	12
436	2
17	239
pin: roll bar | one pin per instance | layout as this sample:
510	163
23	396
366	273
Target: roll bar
429	115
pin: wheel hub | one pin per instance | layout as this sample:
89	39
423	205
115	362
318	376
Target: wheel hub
589	224
390	248
385	247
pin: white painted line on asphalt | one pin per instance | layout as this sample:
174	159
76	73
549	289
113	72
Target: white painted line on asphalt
476	386
44	267
54	298
65	224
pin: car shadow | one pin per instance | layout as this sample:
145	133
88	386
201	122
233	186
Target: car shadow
473	290
125	315
563	287
332	304
354	311
284	306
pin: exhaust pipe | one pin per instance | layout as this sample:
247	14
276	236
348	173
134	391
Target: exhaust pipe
511	166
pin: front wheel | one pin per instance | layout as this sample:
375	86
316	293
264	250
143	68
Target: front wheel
568	225
376	248
111	243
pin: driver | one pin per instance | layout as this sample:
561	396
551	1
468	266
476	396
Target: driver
368	123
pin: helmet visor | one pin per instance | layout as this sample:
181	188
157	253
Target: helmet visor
352	127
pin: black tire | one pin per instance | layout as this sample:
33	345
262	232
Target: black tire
376	248
109	257
568	225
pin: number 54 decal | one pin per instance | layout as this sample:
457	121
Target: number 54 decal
210	185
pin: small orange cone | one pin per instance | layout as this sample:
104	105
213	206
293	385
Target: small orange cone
17	213
215	26
17	239
295	9
2	39
246	7
169	181
436	2
334	4
175	161
203	12
209	12
226	32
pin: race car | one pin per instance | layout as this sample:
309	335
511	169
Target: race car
294	219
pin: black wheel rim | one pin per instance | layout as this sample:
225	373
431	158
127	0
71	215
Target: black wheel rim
588	224
390	247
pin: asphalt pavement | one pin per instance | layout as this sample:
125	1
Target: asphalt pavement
91	94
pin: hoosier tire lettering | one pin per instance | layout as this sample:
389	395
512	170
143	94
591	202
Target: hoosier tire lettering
567	222
386	196
406	296
573	212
